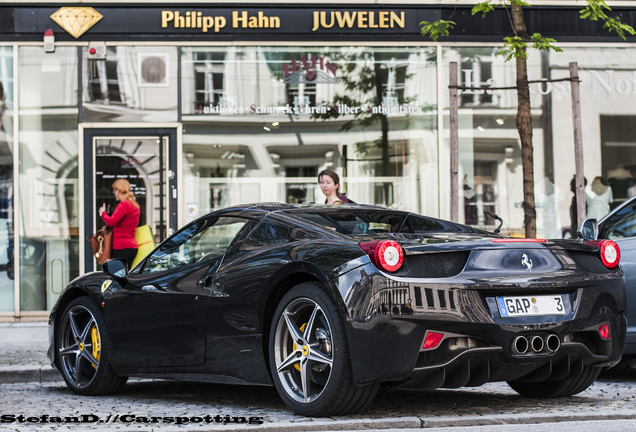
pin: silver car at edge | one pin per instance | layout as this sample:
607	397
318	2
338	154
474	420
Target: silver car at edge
620	225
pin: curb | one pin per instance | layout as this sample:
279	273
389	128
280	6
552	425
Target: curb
27	374
520	420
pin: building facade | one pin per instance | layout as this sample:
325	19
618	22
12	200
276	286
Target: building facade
205	105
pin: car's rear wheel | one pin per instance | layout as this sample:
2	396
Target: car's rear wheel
309	355
561	388
83	350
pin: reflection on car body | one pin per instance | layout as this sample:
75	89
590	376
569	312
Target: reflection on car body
328	302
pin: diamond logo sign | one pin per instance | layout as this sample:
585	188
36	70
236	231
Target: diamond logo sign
76	20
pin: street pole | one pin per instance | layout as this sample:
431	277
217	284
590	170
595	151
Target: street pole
578	147
454	143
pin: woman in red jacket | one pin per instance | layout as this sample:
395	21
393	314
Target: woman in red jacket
124	221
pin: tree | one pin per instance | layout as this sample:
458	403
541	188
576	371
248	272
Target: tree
516	47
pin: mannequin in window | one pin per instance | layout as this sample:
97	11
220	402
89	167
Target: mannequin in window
619	179
470	203
598	198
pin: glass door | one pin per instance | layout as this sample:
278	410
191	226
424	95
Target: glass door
142	159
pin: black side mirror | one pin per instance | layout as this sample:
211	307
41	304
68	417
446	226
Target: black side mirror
116	268
588	230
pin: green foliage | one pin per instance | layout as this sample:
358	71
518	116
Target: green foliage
515	47
544	44
483	7
595	12
487	6
436	29
519	3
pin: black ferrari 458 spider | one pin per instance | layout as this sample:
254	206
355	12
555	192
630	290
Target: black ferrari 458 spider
329	302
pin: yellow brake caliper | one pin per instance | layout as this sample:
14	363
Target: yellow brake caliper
96	345
294	346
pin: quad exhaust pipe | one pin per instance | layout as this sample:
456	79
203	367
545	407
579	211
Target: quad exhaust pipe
537	344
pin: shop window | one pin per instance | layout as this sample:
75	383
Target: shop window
49	184
7	269
618	156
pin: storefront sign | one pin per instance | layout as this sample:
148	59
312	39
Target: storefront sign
358	19
280	22
108	22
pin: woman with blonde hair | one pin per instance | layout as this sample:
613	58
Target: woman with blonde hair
124	221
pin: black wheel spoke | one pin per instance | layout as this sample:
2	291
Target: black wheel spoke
87	330
305	379
293	358
88	356
310	323
319	357
74	328
293	328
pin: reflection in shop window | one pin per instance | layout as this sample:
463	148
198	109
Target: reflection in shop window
291	112
103	80
7	269
49	184
130	84
209	79
476	72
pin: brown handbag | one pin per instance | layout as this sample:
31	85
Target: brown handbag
102	244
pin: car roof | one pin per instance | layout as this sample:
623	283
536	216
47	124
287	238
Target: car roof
625	203
280	207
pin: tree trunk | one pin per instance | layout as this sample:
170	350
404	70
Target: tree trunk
524	126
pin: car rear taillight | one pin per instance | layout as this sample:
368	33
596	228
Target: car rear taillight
432	340
385	254
610	252
604	331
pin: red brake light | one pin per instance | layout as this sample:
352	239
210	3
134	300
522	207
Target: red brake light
432	339
386	254
604	331
610	253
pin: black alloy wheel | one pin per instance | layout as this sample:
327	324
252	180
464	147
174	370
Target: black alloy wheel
309	355
82	350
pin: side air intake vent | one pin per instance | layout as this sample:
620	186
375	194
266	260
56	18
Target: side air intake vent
433	265
589	262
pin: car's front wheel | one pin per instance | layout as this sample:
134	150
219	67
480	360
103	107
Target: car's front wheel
562	388
82	350
309	355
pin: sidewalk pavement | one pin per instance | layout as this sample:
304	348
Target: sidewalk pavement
23	348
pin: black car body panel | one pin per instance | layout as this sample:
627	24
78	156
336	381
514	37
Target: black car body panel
210	319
